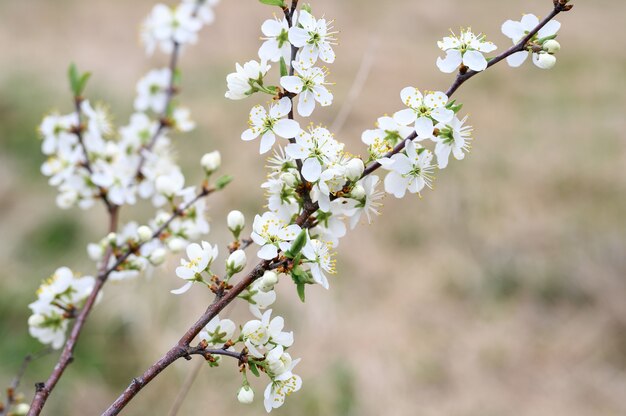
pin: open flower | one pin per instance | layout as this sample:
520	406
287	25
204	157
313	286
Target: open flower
281	386
320	261
423	110
152	90
271	233
316	150
315	38
516	31
453	137
259	332
408	171
200	259
309	84
366	198
166	26
466	49
217	332
276	39
270	124
242	83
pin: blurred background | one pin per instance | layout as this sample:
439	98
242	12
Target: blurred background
501	292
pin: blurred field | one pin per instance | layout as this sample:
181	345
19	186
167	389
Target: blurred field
500	293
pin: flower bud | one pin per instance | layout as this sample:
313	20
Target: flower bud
551	46
144	233
268	281
176	244
95	251
245	395
289	179
36	320
112	238
157	257
236	221
166	186
211	161
358	192
67	199
545	61
354	169
236	262
161	218
21	409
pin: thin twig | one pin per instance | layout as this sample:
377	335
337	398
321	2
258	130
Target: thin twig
12	389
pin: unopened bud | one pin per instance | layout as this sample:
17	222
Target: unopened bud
354	169
245	395
236	262
176	244
157	257
144	233
358	192
21	409
545	61
268	281
211	161
551	46
36	320
235	221
289	179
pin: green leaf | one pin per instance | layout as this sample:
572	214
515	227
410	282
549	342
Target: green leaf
253	369
77	80
300	289
222	182
279	3
307	7
297	245
545	39
283	67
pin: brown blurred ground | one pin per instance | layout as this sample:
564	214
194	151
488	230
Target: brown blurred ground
500	293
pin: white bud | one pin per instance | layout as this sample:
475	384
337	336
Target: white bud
236	262
166	185
268	281
551	46
358	192
162	217
245	395
177	244
36	320
111	238
545	61
21	409
211	161
157	257
145	233
354	169
235	221
95	251
67	199
289	179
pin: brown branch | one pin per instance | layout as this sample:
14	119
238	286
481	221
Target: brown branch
43	390
12	389
182	349
461	78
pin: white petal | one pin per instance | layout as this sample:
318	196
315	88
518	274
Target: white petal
292	84
311	169
475	61
287	128
183	289
513	30
306	104
529	22
424	128
517	59
298	36
549	29
267	141
268	252
451	62
326	53
405	117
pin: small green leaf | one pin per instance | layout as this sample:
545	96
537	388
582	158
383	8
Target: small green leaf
300	289
279	3
298	244
77	80
545	39
283	68
307	7
253	369
223	181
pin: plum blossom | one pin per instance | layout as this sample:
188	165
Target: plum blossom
410	170
423	110
257	333
466	49
152	90
517	30
167	26
270	124
281	387
276	39
217	332
317	150
387	134
453	137
272	233
315	37
320	260
309	84
246	80
200	259
366	197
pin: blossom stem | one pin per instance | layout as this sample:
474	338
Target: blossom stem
43	390
461	78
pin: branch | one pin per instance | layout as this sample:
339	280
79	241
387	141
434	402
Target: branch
181	349
66	358
5	410
462	77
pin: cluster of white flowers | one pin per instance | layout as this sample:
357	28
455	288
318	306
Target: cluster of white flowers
58	298
88	159
543	45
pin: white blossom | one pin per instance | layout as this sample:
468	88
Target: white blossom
200	259
317	150
269	124
410	170
315	37
309	84
466	49
453	138
166	26
517	30
276	40
152	90
423	110
246	79
320	260
271	233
